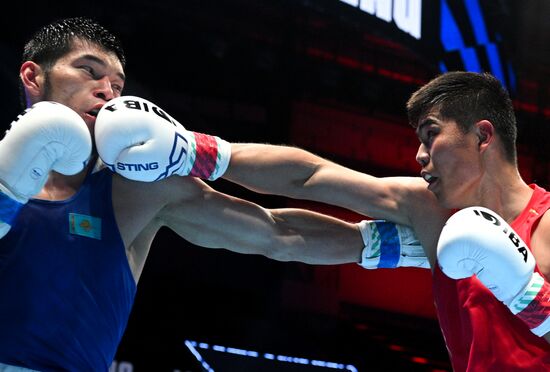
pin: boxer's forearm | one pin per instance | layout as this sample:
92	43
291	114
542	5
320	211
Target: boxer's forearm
314	238
272	169
296	173
216	220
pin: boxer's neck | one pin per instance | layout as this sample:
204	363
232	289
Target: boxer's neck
61	187
505	192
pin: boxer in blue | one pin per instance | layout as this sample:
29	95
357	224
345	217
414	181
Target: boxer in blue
75	236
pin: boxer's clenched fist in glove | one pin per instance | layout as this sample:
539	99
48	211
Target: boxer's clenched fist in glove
140	141
477	241
48	136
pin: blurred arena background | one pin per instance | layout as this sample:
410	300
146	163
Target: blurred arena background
331	76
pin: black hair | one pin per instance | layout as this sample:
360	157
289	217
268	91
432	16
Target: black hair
54	41
468	97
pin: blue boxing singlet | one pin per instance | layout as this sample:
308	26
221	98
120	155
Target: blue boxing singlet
66	289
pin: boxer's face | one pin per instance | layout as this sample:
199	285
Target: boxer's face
84	80
450	160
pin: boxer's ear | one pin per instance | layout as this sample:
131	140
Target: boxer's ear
33	79
485	132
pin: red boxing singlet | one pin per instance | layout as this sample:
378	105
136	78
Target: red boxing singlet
481	333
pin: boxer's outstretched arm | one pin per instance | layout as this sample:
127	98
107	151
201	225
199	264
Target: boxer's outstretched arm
212	219
300	174
140	141
297	173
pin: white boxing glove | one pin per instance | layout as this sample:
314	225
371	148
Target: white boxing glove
48	136
478	241
390	245
140	141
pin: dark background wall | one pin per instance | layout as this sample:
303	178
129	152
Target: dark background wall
326	76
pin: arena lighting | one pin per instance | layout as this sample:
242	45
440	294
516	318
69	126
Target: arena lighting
406	14
456	29
452	36
193	346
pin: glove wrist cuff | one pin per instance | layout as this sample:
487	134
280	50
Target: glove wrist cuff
532	305
389	245
208	156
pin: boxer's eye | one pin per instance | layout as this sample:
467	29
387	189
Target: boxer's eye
117	89
89	70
